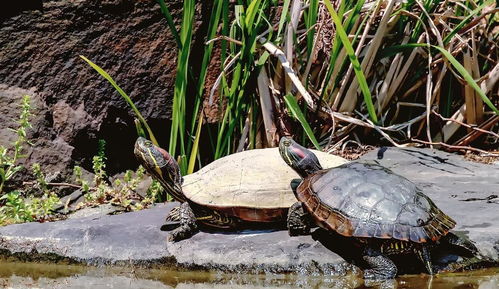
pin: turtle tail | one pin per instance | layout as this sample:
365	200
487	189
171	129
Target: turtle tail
439	225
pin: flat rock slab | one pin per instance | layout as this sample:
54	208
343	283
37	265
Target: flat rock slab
136	238
464	190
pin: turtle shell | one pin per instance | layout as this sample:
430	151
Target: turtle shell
368	200
252	185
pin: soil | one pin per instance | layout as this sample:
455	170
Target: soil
474	157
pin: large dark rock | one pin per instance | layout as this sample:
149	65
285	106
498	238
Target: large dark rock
39	52
462	189
45	147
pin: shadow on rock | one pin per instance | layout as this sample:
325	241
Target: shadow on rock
249	228
445	257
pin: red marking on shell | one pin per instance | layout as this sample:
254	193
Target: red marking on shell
253	214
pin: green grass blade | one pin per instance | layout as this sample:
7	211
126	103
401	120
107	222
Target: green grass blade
335	50
177	132
283	19
311	20
212	29
465	74
138	127
104	74
195	146
465	20
298	114
182	163
169	20
355	62
251	13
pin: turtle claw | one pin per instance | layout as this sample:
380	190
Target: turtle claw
381	267
169	225
181	233
373	274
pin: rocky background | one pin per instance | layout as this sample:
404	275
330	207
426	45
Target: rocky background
73	106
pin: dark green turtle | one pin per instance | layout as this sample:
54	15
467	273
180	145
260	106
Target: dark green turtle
246	188
383	212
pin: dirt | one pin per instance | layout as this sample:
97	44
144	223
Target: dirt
472	156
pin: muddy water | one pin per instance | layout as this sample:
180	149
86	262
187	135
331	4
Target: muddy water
21	275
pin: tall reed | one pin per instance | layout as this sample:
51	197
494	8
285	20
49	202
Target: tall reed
404	72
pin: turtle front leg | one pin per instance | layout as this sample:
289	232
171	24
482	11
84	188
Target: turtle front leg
188	226
174	215
381	266
299	220
172	220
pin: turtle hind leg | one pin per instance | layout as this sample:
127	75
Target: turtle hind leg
381	266
424	255
298	220
188	226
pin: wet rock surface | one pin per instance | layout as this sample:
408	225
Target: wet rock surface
136	238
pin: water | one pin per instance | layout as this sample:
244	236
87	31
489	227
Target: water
22	275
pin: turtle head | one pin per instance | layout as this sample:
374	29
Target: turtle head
302	160
161	166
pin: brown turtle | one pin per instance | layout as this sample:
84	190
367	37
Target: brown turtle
231	192
383	212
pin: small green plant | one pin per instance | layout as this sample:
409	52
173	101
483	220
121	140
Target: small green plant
43	207
40	177
122	192
77	172
99	163
156	193
10	156
15	209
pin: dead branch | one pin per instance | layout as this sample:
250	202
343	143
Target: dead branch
455	147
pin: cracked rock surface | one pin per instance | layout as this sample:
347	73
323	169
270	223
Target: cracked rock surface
462	189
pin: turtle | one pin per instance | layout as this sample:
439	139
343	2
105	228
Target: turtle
384	213
249	187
